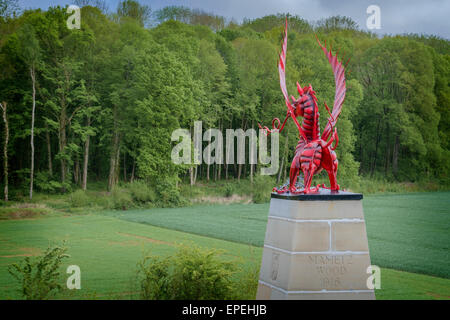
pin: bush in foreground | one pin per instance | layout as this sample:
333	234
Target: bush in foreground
39	277
191	274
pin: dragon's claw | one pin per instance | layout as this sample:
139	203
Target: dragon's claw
329	188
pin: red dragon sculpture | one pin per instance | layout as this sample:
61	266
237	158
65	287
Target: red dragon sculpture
314	152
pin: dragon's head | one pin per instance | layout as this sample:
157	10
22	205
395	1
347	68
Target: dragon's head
304	94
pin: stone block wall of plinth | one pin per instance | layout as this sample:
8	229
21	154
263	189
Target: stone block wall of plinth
315	248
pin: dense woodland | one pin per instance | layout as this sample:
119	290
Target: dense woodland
100	103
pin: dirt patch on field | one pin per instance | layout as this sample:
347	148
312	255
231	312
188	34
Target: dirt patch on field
127	243
147	239
29	205
23	211
23	214
437	296
223	200
26	252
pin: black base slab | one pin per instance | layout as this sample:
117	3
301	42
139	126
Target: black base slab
321	195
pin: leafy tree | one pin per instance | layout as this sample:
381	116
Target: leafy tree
31	54
133	9
9	8
99	4
169	104
271	22
336	23
399	82
178	13
4	107
109	95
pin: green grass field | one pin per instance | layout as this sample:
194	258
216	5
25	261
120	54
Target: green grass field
406	232
106	249
409	232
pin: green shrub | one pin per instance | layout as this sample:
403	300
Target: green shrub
79	198
246	283
44	182
191	192
39	277
141	192
103	200
262	188
121	198
169	195
191	274
229	190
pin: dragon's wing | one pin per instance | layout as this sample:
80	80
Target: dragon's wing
339	79
282	73
282	68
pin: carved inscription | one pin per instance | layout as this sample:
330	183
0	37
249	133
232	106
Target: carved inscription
275	265
331	268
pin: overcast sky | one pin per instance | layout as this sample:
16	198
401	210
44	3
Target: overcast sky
397	16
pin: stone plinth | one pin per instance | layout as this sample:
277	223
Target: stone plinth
315	248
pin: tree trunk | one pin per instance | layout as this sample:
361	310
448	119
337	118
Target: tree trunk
124	167
191	175
113	161
361	163
5	150
117	165
62	137
395	155
195	174
76	171
132	170
62	144
244	174
49	150
111	171
33	80
225	165
388	150
86	158
244	127
250	148
63	122
374	163
281	170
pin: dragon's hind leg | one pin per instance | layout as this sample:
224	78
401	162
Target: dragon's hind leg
333	181
308	179
293	174
330	164
308	173
310	164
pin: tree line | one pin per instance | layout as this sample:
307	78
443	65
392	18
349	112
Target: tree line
101	102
